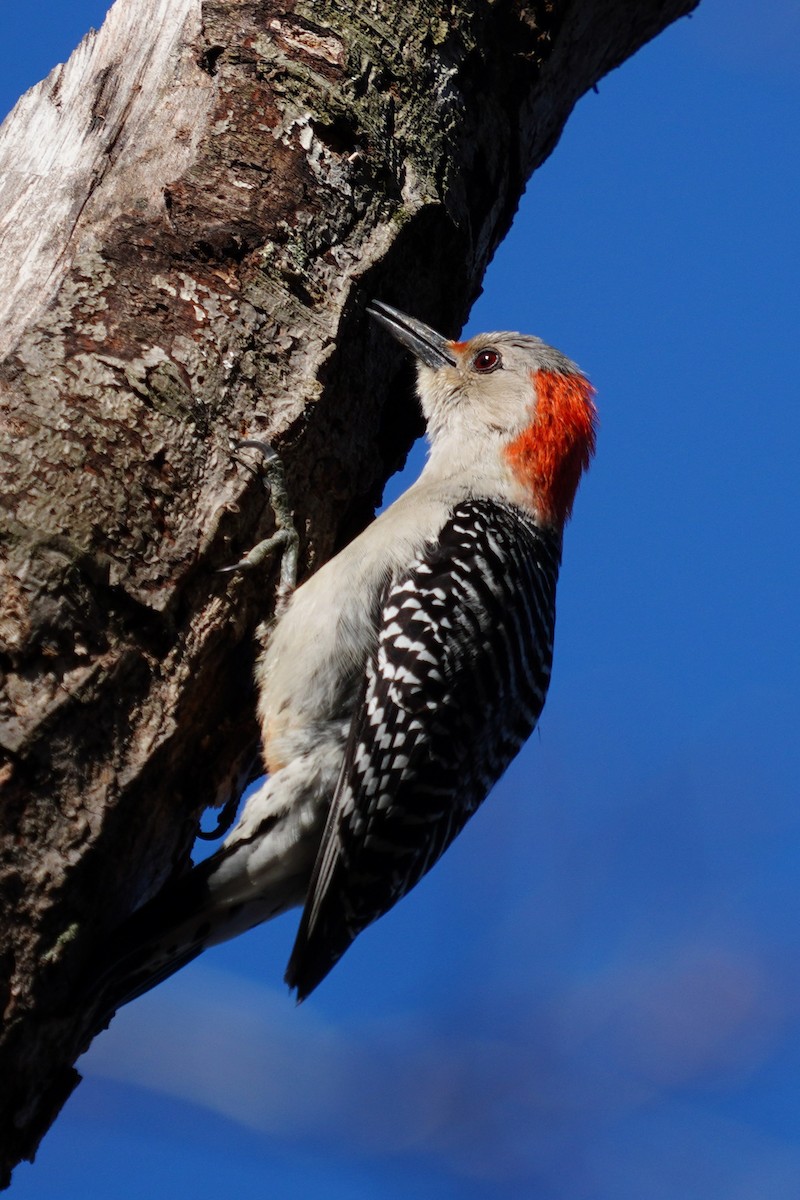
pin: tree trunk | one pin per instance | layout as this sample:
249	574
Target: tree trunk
194	212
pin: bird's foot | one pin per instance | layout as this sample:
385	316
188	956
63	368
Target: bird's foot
285	538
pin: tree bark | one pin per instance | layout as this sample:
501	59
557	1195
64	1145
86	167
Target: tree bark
194	212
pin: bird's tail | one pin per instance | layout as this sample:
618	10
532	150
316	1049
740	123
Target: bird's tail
188	915
261	870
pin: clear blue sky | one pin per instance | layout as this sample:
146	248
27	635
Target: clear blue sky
596	994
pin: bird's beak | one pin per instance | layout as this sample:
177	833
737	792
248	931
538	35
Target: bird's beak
427	345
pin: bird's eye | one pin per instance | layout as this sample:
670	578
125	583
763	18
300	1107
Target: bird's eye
486	361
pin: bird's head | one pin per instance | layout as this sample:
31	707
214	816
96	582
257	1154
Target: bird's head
504	395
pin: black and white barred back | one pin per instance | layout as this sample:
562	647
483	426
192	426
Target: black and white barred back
473	618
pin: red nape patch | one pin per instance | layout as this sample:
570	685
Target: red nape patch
553	452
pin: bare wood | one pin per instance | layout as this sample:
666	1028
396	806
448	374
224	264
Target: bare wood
193	213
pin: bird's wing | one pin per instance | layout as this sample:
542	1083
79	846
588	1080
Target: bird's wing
455	686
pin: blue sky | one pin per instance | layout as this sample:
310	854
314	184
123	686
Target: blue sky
596	994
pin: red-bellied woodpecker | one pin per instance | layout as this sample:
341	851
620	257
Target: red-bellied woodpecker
403	677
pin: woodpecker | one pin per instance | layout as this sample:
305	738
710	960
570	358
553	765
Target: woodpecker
402	678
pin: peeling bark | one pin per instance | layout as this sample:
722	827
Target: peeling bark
194	211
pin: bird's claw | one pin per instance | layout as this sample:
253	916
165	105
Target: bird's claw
285	537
